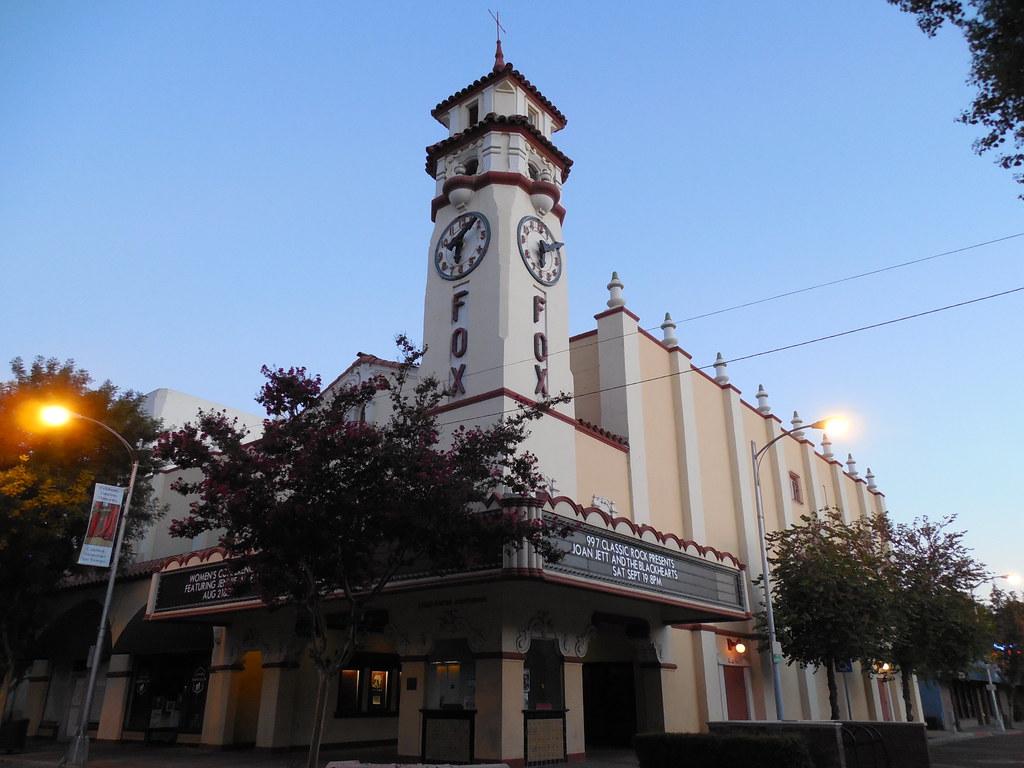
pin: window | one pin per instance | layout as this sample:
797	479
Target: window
542	676
795	489
472	114
451	676
533	117
368	687
472	166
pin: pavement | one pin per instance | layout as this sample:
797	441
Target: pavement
974	749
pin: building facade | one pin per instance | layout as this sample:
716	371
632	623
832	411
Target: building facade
645	625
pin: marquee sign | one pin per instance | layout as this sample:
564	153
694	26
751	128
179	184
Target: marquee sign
200	587
600	555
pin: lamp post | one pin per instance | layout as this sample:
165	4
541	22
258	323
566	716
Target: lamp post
756	456
1013	578
78	749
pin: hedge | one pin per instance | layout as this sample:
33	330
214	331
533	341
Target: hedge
705	750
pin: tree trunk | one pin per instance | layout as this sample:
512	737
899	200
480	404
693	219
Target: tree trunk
905	677
319	710
5	689
833	690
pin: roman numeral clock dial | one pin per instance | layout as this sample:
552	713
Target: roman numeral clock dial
462	246
541	253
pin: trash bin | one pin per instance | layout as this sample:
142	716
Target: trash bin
12	736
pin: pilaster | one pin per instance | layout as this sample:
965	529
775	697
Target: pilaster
688	446
622	409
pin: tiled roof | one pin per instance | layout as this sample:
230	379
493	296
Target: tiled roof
362	358
494	76
490	121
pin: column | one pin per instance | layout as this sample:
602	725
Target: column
219	718
575	743
499	701
115	698
35	696
414	685
277	701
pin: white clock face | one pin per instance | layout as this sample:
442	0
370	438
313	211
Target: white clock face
461	246
541	253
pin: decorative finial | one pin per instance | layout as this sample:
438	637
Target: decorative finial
851	465
762	401
826	447
797	422
499	57
615	289
720	365
870	477
669	329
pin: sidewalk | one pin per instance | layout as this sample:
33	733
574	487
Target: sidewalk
969	749
49	753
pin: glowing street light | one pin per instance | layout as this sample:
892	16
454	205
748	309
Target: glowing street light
834	425
78	749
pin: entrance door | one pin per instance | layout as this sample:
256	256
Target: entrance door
609	704
736	693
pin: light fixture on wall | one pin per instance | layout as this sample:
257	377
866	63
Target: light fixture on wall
738	646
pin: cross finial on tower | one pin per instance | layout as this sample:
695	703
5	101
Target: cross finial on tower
499	57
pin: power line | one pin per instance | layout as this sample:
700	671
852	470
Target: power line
851	277
776	349
654	329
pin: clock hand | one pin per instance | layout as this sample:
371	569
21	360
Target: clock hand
457	242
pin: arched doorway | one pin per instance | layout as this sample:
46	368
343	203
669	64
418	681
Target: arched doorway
169	677
66	643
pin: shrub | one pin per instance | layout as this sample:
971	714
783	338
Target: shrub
705	750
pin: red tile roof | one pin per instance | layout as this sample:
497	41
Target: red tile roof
490	121
491	77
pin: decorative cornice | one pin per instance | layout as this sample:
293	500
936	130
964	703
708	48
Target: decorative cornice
507	178
492	122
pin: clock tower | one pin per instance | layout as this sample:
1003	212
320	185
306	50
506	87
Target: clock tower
496	315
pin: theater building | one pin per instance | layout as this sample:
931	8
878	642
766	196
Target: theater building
641	627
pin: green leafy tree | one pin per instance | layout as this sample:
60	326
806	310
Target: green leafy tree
46	480
829	592
326	506
939	629
994	30
1008	618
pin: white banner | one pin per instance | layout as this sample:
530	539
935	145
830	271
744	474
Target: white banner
98	546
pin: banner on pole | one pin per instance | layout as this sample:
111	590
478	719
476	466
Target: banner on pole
98	546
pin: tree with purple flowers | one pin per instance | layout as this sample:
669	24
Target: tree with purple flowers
326	508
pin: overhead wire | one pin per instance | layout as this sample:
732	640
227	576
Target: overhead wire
771	351
798	291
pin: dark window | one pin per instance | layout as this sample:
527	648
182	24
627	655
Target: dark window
472	166
473	111
542	676
795	489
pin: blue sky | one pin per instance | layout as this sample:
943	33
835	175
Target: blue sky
192	189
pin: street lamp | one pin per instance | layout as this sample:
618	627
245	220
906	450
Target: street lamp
756	456
1013	579
78	750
